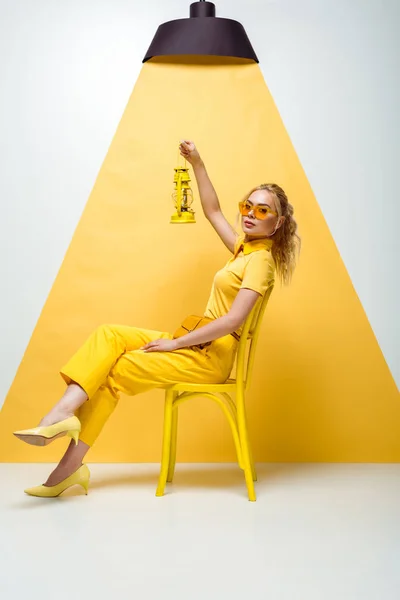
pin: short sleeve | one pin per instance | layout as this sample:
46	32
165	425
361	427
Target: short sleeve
259	272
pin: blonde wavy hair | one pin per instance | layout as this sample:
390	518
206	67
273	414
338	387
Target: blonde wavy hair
287	243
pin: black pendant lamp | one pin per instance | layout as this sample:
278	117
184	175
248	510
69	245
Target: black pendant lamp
202	34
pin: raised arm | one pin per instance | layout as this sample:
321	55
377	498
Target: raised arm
208	197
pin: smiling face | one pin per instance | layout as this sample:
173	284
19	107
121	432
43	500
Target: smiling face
262	219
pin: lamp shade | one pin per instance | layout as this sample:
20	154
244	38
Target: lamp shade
201	34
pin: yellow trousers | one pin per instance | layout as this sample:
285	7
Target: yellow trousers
110	362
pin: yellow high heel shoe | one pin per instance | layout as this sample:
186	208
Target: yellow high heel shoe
80	477
41	436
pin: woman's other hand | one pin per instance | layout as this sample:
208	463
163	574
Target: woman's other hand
161	345
189	151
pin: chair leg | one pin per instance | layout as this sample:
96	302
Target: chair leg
248	474
166	447
252	465
172	455
246	457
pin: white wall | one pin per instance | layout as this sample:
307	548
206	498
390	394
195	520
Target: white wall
66	73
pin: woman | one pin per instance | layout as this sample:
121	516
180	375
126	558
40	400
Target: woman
130	360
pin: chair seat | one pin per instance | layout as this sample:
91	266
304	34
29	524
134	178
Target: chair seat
228	386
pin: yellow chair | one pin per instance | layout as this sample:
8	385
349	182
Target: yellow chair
221	393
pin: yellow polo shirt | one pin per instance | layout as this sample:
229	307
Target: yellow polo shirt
251	266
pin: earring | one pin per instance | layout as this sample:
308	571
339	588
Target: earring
274	231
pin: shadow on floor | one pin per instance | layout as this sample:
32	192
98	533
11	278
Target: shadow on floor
227	478
216	476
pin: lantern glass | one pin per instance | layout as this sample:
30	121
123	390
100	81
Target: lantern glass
182	197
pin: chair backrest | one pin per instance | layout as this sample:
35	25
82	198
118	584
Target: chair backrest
248	339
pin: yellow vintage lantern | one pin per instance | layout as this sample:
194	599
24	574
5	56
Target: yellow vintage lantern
182	196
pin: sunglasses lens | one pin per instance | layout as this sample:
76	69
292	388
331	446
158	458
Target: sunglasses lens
259	212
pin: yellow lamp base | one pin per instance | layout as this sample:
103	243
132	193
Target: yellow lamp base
184	217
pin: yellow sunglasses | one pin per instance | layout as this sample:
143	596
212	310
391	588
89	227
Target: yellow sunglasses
260	212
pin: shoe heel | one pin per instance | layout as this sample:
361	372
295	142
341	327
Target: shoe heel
85	485
74	435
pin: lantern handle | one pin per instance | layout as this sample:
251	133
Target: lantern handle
178	161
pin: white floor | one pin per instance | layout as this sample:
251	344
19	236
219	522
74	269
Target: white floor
316	532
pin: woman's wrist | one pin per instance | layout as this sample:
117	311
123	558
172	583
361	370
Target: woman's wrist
177	345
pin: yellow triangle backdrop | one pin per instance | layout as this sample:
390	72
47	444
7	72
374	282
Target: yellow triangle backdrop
321	391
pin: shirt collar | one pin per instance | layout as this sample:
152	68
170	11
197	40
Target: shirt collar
252	246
